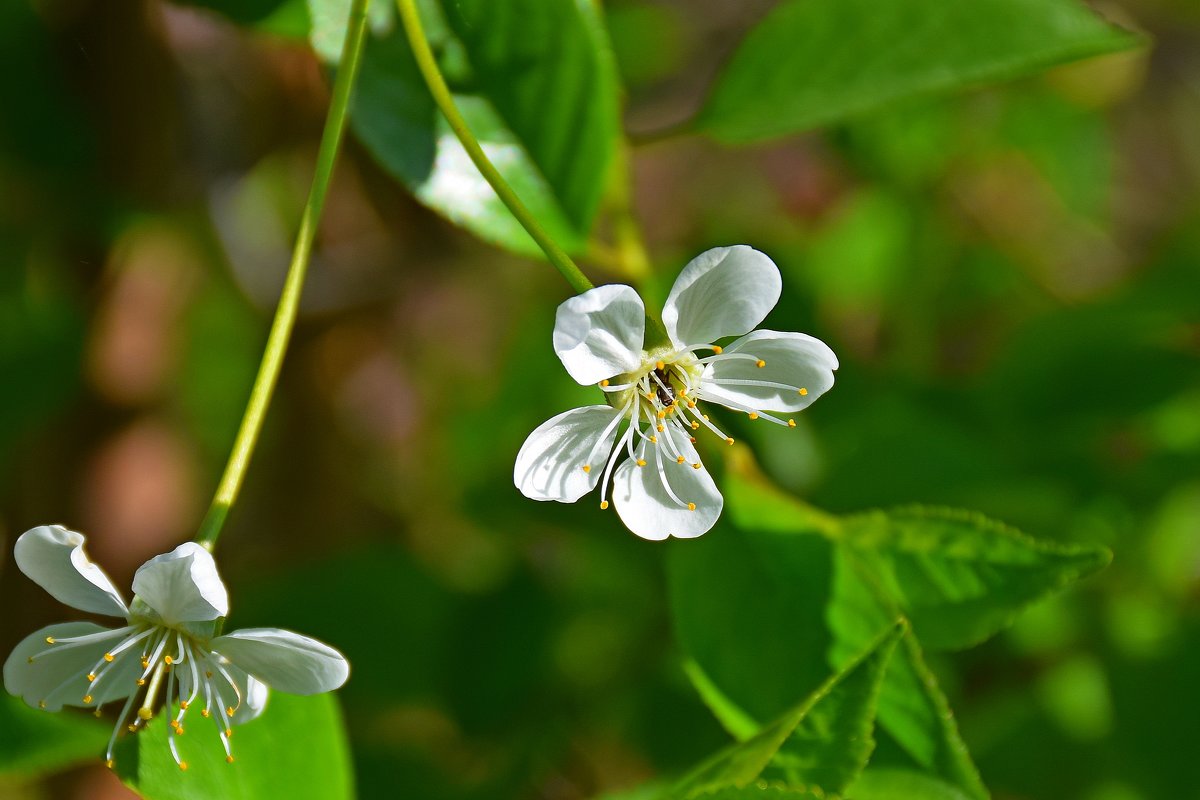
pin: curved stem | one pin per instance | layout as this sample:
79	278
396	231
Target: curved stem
445	101
289	300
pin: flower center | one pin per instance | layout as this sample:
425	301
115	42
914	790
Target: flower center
156	657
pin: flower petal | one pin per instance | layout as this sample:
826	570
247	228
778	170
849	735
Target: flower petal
550	465
647	507
599	333
284	660
58	675
182	586
722	292
801	366
53	558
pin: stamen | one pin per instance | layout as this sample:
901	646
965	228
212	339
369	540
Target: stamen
691	506
791	423
803	392
760	363
587	467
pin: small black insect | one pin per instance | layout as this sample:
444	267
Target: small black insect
666	393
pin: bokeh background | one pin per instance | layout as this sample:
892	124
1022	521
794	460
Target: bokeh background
1011	277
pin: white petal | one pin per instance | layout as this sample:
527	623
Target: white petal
795	360
599	333
284	660
550	463
722	292
58	675
182	586
645	505
53	558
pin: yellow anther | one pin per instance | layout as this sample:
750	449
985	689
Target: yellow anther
41	703
680	460
109	763
641	462
229	710
49	640
653	440
183	765
145	713
168	660
228	759
753	415
87	699
760	363
728	440
706	417
204	713
108	657
695	426
587	468
208	673
804	392
661	429
603	504
696	465
141	681
659	365
91	676
229	733
132	728
691	403
604	382
183	705
683	392
649	395
717	349
662	413
691	506
791	423
145	663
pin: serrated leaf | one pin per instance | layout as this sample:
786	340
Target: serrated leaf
296	749
912	707
958	576
537	87
814	62
902	784
825	741
34	742
749	610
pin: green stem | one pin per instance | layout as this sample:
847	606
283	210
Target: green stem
289	300
445	101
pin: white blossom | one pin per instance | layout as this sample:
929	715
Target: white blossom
656	393
167	652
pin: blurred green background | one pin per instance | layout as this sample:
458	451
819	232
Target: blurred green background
1010	276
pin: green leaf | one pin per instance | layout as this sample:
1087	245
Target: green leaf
815	62
912	707
889	784
823	742
296	749
534	80
34	742
959	576
764	791
758	642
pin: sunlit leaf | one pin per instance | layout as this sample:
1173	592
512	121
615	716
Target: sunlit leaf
824	742
536	84
296	749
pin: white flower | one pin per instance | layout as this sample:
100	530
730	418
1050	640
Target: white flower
168	647
662	489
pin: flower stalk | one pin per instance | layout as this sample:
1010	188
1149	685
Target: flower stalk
289	300
445	101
